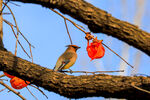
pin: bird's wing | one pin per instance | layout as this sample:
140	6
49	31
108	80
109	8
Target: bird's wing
67	56
63	64
63	60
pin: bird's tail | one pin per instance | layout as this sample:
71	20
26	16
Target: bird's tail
55	69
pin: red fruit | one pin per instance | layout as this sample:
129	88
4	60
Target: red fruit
8	75
95	49
18	83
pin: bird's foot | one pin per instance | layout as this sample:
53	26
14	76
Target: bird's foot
70	71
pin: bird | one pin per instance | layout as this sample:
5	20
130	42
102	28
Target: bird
67	59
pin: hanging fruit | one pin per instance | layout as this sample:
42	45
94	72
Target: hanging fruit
18	83
8	75
95	49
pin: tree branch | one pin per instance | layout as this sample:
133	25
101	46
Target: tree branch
1	26
75	86
99	21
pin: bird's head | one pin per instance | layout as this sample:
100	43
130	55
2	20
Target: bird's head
73	46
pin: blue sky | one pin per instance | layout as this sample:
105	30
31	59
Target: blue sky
46	31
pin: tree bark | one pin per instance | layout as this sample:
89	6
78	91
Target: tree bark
99	21
69	86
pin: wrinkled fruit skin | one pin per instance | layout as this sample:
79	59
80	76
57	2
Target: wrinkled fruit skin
8	75
95	50
18	83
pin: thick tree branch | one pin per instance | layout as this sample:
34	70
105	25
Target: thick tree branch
1	26
99	21
75	86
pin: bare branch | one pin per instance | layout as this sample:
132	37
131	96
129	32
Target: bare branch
40	91
14	4
31	53
16	36
32	93
2	89
117	55
76	25
6	13
2	76
68	31
19	32
9	88
133	84
15	24
92	72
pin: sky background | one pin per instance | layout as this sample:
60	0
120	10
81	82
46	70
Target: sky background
46	31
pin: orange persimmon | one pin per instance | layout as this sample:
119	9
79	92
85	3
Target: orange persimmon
8	75
18	83
95	49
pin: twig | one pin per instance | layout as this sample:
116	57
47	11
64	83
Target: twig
133	85
16	44
32	93
3	80
117	55
40	91
2	89
9	88
19	42
20	33
68	31
11	25
31	53
4	6
16	37
92	72
2	75
25	38
6	13
16	26
138	74
76	25
14	4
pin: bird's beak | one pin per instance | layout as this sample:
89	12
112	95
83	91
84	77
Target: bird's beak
78	47
67	46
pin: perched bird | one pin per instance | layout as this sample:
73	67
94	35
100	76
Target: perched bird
67	59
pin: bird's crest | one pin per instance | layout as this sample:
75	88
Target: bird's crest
74	46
